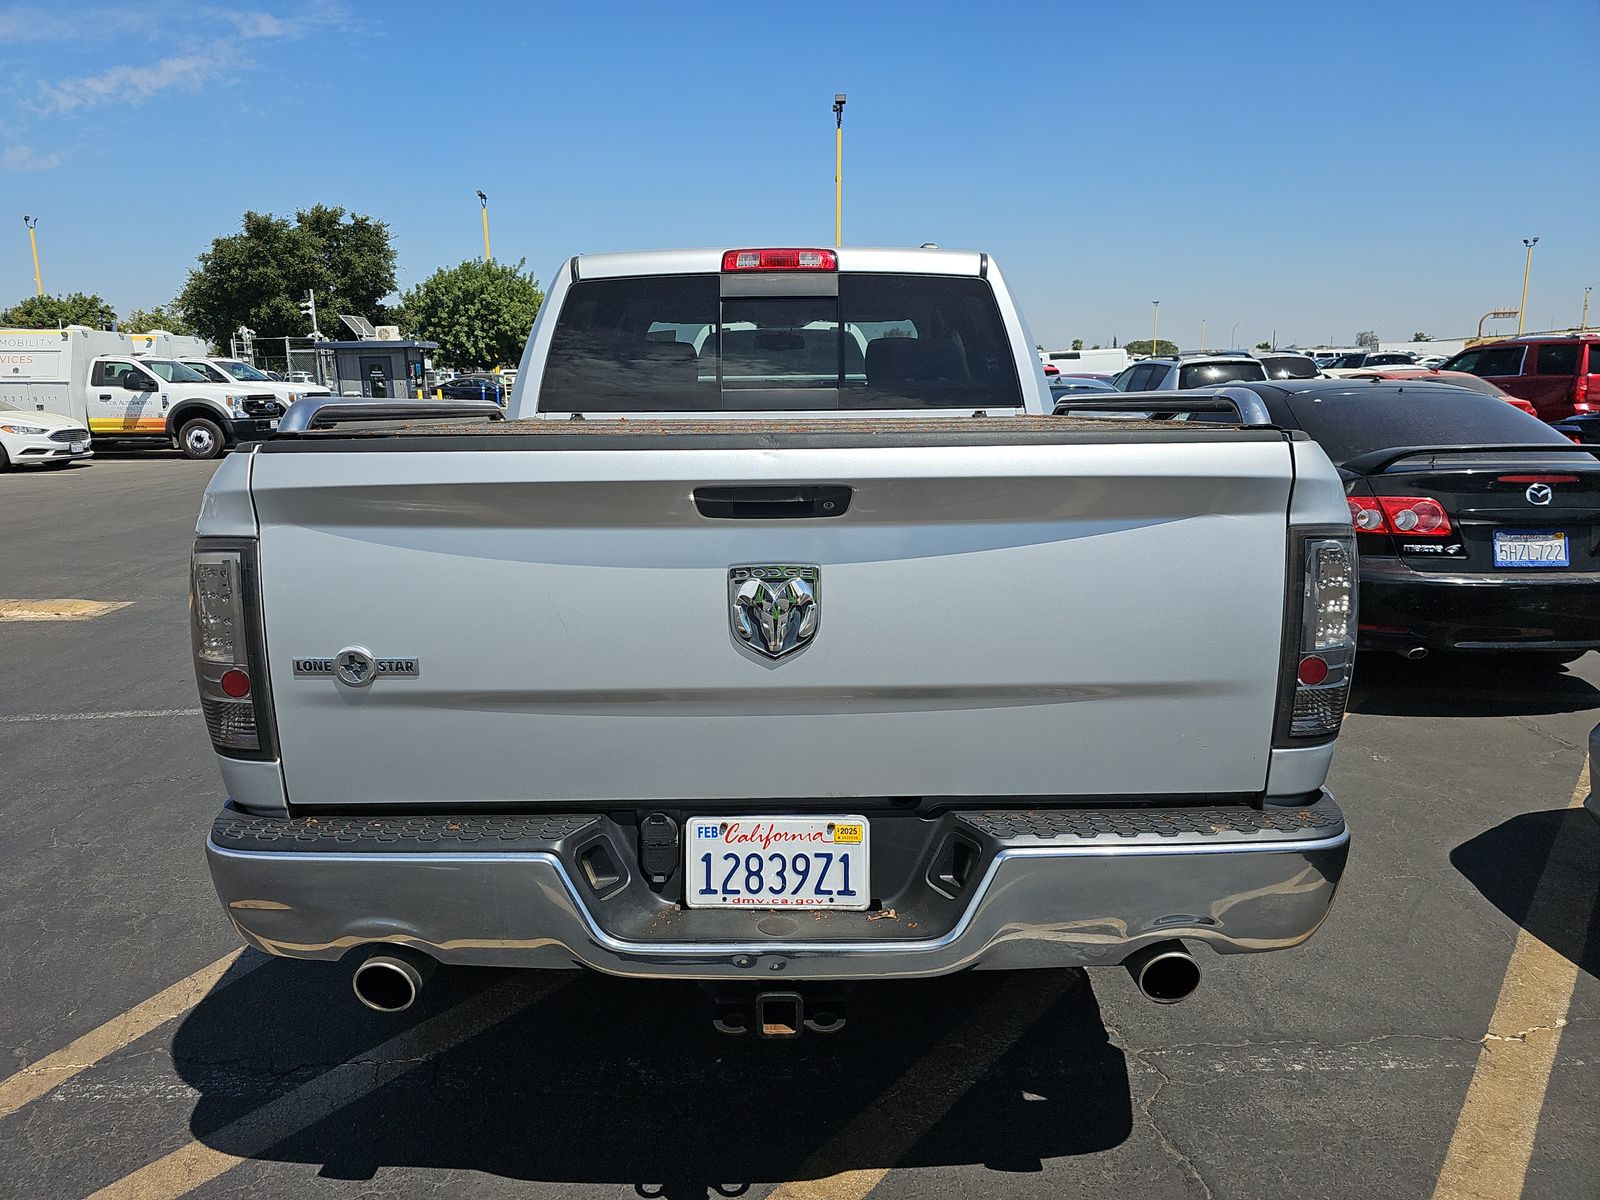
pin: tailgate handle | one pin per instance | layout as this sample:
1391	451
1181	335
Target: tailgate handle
782	502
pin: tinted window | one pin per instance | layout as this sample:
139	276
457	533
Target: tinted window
210	372
1342	362
674	342
1380	417
174	372
1557	358
1195	375
1467	361
1499	360
1289	366
1124	380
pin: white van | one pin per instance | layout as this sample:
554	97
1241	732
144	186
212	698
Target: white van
131	388
1086	362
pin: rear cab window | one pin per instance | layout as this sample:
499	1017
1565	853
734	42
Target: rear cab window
1495	360
687	343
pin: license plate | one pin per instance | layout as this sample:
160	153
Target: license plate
777	862
273	423
1531	548
78	447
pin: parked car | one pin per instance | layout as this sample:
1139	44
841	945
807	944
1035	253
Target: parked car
679	740
1284	365
1558	374
472	387
1358	360
1453	378
240	374
1188	371
1070	385
30	436
1432	360
1478	525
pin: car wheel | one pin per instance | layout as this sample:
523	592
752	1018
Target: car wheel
5	463
200	439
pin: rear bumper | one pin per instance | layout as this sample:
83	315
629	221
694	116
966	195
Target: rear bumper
1069	888
1547	610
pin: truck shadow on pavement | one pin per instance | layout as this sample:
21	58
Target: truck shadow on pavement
600	1080
1561	847
1486	686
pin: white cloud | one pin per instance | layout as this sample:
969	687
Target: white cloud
132	85
19	160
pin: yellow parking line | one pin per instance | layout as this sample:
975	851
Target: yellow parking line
51	1071
58	610
1493	1140
193	1164
926	1092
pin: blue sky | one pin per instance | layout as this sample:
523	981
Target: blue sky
1314	169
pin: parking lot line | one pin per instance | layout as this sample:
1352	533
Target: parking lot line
58	610
887	1129
51	1071
1493	1139
129	714
194	1163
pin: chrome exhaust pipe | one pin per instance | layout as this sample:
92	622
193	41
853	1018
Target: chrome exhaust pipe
1416	653
389	978
1165	972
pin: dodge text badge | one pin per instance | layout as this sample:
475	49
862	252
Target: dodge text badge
774	607
354	666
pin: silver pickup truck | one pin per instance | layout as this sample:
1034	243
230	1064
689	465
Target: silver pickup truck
782	638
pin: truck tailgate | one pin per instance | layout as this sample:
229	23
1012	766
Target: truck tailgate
1093	618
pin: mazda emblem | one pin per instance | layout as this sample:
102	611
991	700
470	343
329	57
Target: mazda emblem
1538	493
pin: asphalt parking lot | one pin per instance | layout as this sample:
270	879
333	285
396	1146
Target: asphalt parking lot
1439	1037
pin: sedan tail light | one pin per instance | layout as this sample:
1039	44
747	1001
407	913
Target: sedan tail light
1407	516
229	653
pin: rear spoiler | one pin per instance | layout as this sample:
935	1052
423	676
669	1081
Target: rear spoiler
321	412
1380	460
1248	407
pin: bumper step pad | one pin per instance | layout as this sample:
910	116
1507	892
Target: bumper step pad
397	834
1231	823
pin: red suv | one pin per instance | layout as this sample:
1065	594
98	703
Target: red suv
1558	375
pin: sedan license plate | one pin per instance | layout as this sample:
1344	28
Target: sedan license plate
1531	548
77	447
273	423
777	862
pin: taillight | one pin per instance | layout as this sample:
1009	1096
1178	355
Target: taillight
1409	516
1051	369
1320	643
225	634
1580	390
780	260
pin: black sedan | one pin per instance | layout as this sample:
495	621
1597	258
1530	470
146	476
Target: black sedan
1583	428
1478	525
473	387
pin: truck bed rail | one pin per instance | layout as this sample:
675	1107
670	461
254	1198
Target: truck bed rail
326	411
1244	403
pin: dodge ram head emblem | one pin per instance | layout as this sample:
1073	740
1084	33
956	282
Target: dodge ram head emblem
774	607
1539	493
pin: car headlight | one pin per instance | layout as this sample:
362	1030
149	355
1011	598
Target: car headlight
33	429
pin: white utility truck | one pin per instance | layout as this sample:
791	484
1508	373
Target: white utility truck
238	373
750	654
131	388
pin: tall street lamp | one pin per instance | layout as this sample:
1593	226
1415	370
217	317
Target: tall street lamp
1233	338
838	169
33	223
1155	326
1527	266
1583	322
484	201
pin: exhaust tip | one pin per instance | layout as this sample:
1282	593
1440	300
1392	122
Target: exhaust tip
389	983
1165	972
1417	653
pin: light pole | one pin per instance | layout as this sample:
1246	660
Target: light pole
1202	334
1583	322
1527	266
33	223
1155	330
838	169
1233	337
484	201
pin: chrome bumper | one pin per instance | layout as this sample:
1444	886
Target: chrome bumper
1042	902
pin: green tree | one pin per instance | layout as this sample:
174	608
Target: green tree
1163	347
52	312
258	276
163	316
1263	345
1077	343
479	312
1420	337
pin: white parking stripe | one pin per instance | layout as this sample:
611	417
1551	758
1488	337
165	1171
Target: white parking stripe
130	714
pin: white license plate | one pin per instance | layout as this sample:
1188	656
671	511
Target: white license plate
777	862
78	447
1531	548
273	423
